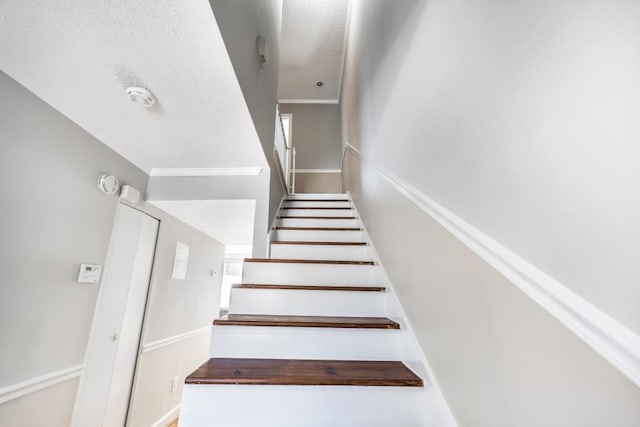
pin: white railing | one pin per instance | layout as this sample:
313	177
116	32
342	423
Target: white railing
286	155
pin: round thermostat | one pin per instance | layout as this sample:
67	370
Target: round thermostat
108	184
141	96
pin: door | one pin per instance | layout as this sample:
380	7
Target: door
105	387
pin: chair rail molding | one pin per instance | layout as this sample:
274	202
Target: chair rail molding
615	342
154	345
33	385
167	418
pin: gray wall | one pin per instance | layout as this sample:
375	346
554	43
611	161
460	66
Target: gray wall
176	307
53	219
240	23
521	119
220	188
316	135
318	182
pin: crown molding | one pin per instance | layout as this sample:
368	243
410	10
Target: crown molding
204	171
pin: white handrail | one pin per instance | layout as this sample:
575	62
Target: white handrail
285	154
293	172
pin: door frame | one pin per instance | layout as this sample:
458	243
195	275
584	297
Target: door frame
145	309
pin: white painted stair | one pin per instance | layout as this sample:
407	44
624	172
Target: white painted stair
315	335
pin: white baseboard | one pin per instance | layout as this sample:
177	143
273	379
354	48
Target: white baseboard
154	345
616	343
33	385
318	171
307	101
168	417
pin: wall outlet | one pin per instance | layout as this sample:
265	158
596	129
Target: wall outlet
174	385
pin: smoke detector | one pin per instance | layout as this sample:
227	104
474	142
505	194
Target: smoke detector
141	96
108	184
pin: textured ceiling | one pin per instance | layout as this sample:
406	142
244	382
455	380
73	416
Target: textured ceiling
79	56
228	221
312	49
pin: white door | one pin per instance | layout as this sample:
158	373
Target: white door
110	362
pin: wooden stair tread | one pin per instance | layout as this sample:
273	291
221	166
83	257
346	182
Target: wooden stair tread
297	242
309	287
316	200
315	217
307	321
319	228
318	207
309	261
304	372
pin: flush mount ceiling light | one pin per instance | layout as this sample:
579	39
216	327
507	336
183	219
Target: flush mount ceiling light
319	84
141	96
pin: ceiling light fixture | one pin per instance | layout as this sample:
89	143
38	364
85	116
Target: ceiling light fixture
141	96
319	84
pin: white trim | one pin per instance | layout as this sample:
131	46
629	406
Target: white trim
204	171
345	41
318	171
174	339
168	417
33	385
308	101
416	352
280	172
615	342
288	142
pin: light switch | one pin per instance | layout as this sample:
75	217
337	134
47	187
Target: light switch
89	273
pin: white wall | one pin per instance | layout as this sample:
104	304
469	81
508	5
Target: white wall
240	23
53	219
520	118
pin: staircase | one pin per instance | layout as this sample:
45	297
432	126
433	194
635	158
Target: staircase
315	335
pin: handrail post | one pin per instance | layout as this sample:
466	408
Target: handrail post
293	172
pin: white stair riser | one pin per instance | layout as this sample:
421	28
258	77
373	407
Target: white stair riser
305	406
305	343
334	252
318	236
317	204
316	212
301	274
297	222
306	196
307	303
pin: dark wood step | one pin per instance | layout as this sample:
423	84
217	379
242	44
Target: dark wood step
296	242
307	321
316	217
324	208
309	261
304	372
317	200
319	228
340	288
